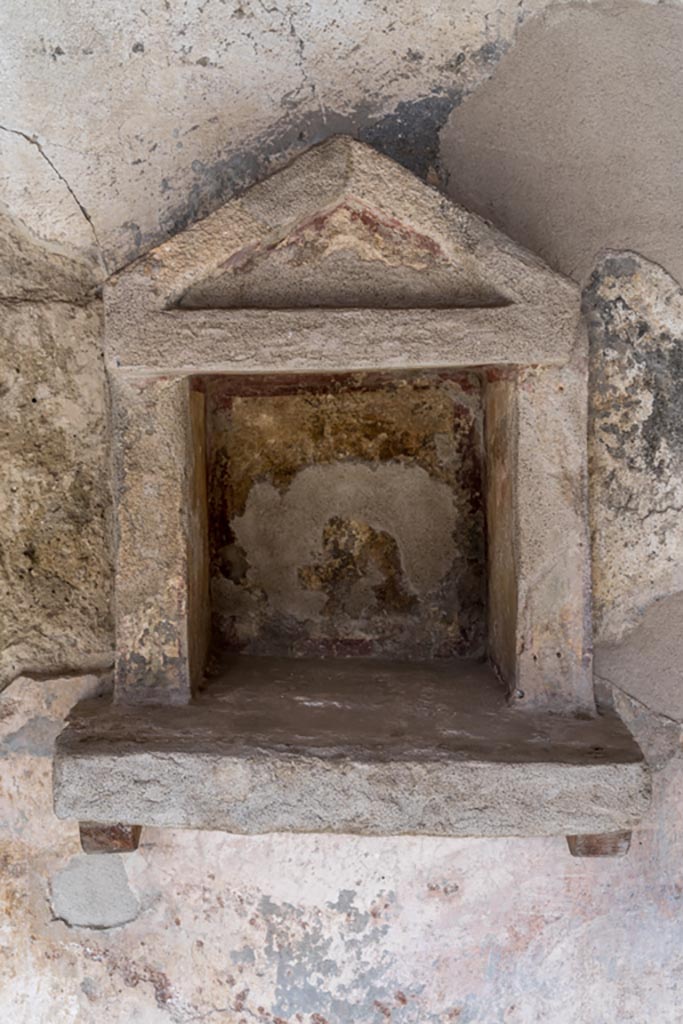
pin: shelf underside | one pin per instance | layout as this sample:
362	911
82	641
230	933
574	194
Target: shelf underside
369	747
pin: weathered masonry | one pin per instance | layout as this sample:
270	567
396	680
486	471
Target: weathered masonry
374	620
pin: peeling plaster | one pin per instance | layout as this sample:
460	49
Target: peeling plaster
385	496
346	515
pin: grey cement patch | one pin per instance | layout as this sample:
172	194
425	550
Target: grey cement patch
576	141
93	892
245	955
659	737
311	978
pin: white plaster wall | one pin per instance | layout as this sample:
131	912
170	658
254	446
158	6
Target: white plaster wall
122	120
120	123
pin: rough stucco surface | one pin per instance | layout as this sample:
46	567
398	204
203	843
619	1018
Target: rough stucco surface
54	478
118	130
634	311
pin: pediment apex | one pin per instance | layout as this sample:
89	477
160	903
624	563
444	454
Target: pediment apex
340	212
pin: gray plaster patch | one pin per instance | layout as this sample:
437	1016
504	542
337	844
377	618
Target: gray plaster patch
659	737
312	974
281	533
93	892
245	955
35	737
648	662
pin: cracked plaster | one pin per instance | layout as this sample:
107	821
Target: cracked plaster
187	104
153	117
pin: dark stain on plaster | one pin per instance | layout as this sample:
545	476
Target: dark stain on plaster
137	239
133	973
408	134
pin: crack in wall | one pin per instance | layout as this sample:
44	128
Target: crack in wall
33	141
306	81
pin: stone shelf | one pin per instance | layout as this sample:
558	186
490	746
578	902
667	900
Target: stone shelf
352	745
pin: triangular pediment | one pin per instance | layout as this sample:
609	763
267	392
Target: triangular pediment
345	234
341	226
348	256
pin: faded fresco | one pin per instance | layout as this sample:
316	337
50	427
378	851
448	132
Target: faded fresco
346	517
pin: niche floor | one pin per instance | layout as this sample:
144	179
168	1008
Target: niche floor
350	745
